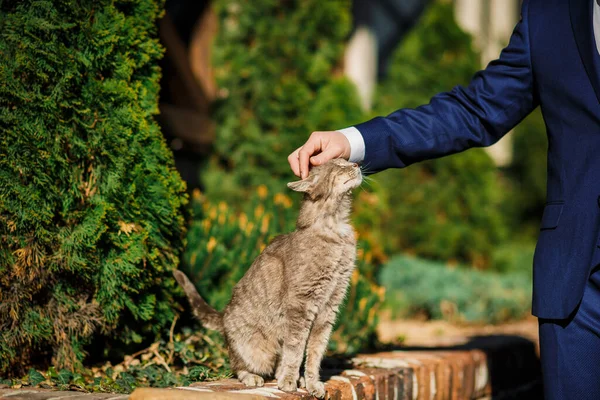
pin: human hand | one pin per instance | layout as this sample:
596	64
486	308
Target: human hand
318	149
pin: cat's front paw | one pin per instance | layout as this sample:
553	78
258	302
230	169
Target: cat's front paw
252	380
288	383
316	388
302	383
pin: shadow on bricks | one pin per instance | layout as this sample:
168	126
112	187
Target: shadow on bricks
512	364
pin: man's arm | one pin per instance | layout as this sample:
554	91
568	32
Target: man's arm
496	100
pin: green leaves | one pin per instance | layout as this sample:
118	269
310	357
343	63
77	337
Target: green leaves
35	377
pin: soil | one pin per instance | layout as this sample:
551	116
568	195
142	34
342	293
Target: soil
443	333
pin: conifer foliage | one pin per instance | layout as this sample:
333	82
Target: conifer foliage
278	65
91	206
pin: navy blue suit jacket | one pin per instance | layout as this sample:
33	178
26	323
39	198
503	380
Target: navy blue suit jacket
551	62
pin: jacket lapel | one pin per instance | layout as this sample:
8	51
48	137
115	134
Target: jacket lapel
582	12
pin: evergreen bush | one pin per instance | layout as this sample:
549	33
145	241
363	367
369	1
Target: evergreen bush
91	219
223	243
277	65
449	208
419	287
514	256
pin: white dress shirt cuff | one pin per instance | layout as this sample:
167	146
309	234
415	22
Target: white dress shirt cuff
357	144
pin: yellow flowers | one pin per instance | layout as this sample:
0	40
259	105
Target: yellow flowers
264	227
259	211
243	221
212	243
262	192
372	314
362	304
355	277
366	256
281	199
196	194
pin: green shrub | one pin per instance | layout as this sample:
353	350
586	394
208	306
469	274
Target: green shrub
513	257
90	203
416	286
223	243
278	66
449	208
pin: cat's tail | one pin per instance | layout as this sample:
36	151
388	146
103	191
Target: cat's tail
208	316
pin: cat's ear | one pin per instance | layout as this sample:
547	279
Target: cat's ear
305	185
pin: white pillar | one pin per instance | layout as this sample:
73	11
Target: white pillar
491	23
360	64
468	16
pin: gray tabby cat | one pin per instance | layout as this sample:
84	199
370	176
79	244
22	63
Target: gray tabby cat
287	301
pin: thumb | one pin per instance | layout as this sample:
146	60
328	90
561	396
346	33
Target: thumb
328	154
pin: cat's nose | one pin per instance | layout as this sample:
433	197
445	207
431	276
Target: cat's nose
355	165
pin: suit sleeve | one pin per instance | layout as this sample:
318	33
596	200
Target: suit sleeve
496	100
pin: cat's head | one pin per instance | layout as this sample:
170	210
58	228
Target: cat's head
334	178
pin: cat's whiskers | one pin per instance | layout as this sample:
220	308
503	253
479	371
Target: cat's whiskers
366	182
364	168
366	177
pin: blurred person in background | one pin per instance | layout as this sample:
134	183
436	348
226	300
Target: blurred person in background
551	61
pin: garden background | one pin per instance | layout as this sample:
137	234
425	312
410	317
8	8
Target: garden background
94	213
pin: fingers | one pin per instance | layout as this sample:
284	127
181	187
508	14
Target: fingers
318	149
293	161
329	153
312	146
336	145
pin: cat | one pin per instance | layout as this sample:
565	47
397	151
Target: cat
286	303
